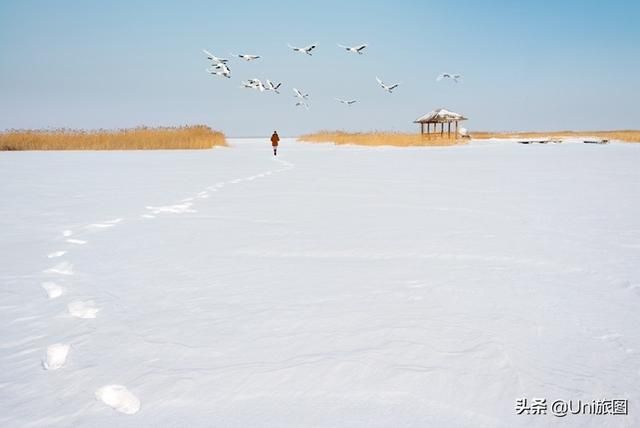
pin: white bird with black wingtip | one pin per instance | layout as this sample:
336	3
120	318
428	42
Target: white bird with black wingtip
388	88
306	50
214	59
451	76
299	94
270	86
255	84
354	49
346	102
246	57
220	70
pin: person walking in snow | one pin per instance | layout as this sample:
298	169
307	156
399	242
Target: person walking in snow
274	142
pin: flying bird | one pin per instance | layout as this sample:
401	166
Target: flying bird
355	49
299	94
248	84
246	57
272	87
346	102
214	58
307	49
388	88
220	70
256	84
454	77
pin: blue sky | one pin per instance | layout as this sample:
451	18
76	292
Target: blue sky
527	65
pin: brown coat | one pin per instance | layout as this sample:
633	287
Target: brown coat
274	140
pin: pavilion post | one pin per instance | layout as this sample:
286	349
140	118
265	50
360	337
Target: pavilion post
422	129
456	129
448	129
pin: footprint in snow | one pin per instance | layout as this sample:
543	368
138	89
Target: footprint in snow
84	310
76	241
64	268
100	225
176	209
416	284
56	254
119	398
53	290
67	233
55	356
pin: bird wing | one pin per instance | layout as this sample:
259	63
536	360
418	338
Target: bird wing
359	48
380	81
310	48
209	54
297	92
292	47
393	86
343	46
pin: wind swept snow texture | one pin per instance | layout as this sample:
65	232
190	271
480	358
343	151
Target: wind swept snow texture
330	286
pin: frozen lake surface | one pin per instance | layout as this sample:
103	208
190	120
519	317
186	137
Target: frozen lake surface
331	286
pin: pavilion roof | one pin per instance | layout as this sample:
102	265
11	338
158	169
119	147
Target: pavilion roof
440	115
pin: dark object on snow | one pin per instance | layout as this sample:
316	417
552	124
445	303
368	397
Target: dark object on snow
539	141
274	142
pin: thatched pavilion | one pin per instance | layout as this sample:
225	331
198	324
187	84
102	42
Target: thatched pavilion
439	116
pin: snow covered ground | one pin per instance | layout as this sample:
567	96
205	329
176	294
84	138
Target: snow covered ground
332	286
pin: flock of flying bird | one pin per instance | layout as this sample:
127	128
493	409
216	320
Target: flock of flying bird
219	67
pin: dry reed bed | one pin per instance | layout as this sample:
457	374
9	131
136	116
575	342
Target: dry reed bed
143	138
377	139
622	135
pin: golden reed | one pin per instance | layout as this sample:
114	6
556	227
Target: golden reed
142	138
630	136
400	139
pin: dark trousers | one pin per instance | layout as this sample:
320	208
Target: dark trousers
275	150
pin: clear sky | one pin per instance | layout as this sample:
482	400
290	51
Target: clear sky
527	65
